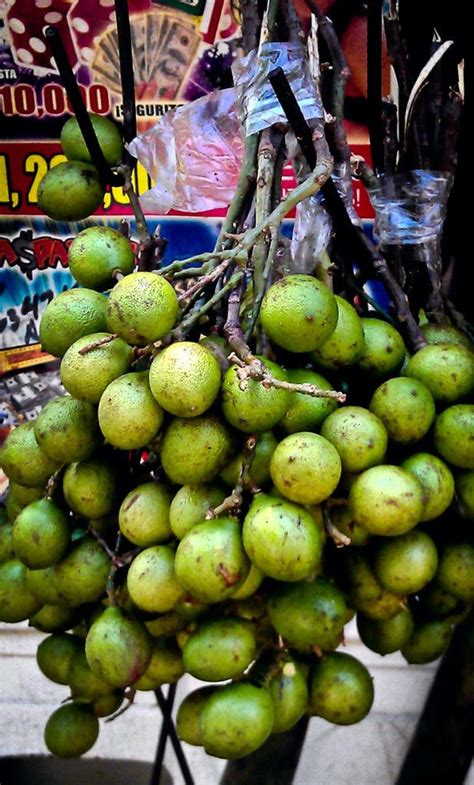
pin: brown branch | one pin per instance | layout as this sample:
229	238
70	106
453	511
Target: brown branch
97	344
129	695
340	540
233	502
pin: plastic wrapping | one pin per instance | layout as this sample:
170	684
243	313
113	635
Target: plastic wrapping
193	155
258	103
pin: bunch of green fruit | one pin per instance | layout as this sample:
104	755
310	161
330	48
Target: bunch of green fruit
191	507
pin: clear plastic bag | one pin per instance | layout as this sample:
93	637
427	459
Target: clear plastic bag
258	103
193	155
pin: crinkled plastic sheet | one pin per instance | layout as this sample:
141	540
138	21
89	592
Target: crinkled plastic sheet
258	103
193	155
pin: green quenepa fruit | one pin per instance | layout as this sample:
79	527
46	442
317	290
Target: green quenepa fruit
23	460
456	570
259	472
6	542
80	181
364	591
447	370
305	412
54	655
194	451
108	704
346	344
341	689
41	534
166	624
86	372
219	347
118	649
41	583
250	585
71	731
97	254
386	500
384	349
86	686
165	667
407	563
436	481
81	577
54	618
91	488
406	408
465	494
152	582
305	468
190	505
436	603
282	539
70	316
308	614
142	308
188	718
129	416
185	379
445	333
108	136
299	313
24	495
428	641
387	635
358	436
236	720
453	435
67	430
384	607
288	689
220	649
17	601
250	406
343	520
144	515
12	507
210	560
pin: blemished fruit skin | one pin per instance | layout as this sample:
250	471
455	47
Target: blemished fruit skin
41	583
456	570
190	505
129	416
236	720
86	376
407	563
165	667
305	468
251	407
144	515
446	369
142	308
445	333
91	487
80	181
454	435
189	715
108	136
428	642
465	494
54	655
96	254
289	693
23	460
346	344
386	500
358	435
299	313
341	689
220	649
6	542
406	408
194	450
17	601
185	379
384	349
436	481
387	635
81	576
71	731
70	316
282	539
67	430
41	534
118	649
152	582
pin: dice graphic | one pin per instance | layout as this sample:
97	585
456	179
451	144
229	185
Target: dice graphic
27	21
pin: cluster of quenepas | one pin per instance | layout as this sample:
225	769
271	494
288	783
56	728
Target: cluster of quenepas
177	513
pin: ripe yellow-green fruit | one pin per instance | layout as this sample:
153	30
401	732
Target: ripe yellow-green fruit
71	731
70	316
86	686
6	542
384	349
445	333
407	563
386	500
387	635
456	570
144	515
305	468
250	585
289	692
118	649
71	191
306	413
346	344
299	313
185	379
23	460
428	642
343	520
446	369
41	534
165	667
358	436
108	704
152	582
142	308
67	429
259	472
465	494
190	505
54	618
17	601
194	450
454	435
252	407
86	374
189	715
108	136
406	408
81	577
341	689
436	481
220	649
54	655
90	488
41	583
97	254
24	495
129	416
